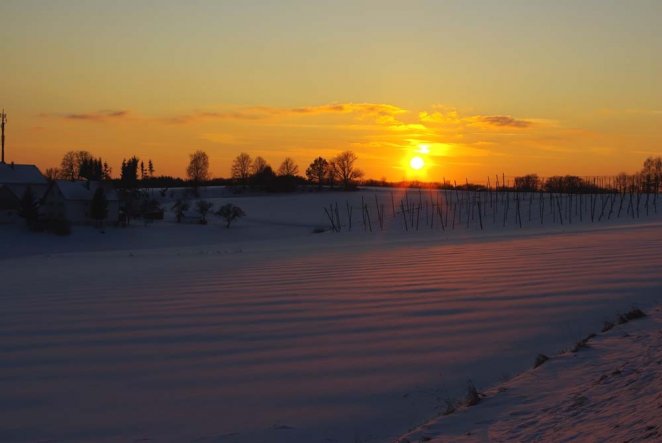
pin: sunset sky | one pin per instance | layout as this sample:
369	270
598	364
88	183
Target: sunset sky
475	88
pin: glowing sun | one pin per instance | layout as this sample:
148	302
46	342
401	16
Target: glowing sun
416	163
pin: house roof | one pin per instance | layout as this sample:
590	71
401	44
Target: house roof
83	190
18	189
21	174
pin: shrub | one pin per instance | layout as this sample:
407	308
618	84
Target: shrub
607	326
203	207
472	398
632	314
230	213
540	359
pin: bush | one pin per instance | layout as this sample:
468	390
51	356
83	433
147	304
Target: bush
472	398
633	314
540	359
230	213
607	326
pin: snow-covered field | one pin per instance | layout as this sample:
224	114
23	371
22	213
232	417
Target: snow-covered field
270	332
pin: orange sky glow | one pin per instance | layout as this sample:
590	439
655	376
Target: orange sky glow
473	90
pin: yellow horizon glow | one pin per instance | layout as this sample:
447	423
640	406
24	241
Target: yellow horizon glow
453	144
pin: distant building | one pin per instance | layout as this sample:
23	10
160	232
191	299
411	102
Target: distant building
14	181
71	201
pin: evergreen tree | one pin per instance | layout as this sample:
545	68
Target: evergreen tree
107	170
130	172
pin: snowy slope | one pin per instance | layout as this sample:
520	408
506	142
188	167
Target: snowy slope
610	391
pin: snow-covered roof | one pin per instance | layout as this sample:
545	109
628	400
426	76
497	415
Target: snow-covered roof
83	190
38	190
20	174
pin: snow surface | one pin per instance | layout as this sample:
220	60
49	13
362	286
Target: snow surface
609	391
268	332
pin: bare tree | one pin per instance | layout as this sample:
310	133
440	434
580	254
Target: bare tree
651	173
71	164
622	182
241	167
343	165
52	174
317	171
288	168
332	173
198	168
258	165
527	183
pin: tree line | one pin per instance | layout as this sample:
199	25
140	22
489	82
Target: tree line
647	180
246	171
340	170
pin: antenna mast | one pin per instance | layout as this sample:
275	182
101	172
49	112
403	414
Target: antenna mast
3	122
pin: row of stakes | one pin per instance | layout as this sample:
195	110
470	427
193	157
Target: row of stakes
467	207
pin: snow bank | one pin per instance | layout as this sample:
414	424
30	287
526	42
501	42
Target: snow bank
609	391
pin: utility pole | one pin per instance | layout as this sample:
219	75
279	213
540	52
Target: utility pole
3	122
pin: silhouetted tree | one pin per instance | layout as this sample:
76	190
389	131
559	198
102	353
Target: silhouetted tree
332	173
241	168
230	213
107	171
78	164
651	174
198	169
258	165
317	171
623	182
143	171
288	168
263	179
346	173
568	184
527	183
99	206
150	168
203	207
69	166
129	175
52	174
91	168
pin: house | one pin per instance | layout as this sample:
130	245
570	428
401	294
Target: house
71	201
14	181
